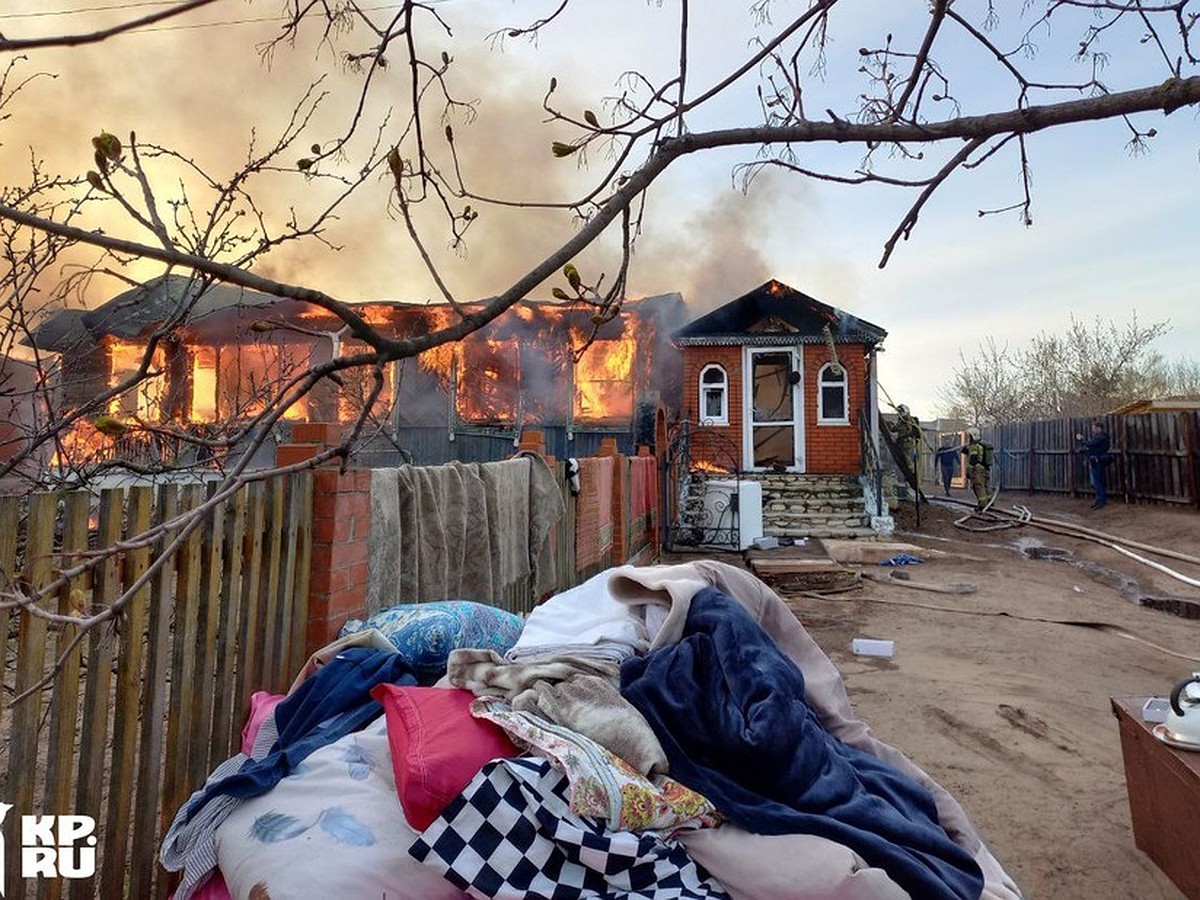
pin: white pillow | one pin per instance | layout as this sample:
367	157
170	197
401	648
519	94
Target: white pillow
333	828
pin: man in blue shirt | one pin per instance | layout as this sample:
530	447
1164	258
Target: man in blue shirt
1096	448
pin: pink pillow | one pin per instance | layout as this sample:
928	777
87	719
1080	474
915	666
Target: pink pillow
437	746
261	703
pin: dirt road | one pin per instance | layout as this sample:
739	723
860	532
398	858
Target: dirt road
1011	715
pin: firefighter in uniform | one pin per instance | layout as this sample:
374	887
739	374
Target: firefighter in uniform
980	459
908	436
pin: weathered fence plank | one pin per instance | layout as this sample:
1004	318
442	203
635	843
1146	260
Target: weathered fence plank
97	694
303	568
153	728
64	707
180	726
250	649
131	641
271	634
212	536
225	713
31	659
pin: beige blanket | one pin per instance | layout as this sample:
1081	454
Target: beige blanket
429	536
546	507
576	692
507	486
725	853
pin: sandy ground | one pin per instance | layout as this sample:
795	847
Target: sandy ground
1013	716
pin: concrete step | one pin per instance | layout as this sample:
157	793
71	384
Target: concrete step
820	531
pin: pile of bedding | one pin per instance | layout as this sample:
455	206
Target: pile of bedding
659	733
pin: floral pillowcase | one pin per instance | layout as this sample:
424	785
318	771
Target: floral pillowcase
603	786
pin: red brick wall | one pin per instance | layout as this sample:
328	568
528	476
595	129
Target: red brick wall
341	523
725	440
829	448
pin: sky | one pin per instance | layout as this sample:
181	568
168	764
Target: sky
1114	234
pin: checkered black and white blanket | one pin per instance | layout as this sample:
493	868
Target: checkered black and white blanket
511	835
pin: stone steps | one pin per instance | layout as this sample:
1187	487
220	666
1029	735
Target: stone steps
796	506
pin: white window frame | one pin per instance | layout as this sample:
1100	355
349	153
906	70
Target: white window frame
821	417
723	418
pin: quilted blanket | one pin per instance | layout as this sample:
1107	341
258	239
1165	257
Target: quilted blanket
729	708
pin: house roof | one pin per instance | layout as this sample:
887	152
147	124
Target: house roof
62	332
1162	404
139	310
222	312
775	314
132	314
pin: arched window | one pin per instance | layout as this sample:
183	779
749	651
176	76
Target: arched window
832	403
714	395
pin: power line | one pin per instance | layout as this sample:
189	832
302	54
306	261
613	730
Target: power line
85	9
180	27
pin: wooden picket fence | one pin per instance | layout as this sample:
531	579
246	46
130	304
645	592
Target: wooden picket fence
1156	456
146	705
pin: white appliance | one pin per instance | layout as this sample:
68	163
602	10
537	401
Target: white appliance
732	513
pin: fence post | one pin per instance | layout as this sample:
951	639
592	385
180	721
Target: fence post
341	524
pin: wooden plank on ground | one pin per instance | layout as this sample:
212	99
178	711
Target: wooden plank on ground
225	713
142	865
127	708
31	662
250	645
875	552
64	707
97	695
781	566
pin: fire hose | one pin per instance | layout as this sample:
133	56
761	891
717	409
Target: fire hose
1022	515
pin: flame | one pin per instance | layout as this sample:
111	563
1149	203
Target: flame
143	400
703	465
604	381
538	362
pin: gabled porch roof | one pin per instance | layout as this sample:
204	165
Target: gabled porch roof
775	314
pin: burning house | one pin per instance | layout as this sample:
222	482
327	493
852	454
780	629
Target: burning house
220	354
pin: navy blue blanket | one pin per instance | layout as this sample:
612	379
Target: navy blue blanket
729	709
334	701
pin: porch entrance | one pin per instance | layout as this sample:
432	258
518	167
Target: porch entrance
774	424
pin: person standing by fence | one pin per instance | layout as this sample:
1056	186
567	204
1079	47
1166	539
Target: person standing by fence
980	459
947	461
1096	446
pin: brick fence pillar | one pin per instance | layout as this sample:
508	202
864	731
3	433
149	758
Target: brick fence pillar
341	523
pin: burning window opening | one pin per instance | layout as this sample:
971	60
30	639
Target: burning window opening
357	385
489	382
604	387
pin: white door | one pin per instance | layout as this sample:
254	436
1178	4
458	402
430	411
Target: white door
773	430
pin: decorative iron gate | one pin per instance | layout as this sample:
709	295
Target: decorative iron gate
700	489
